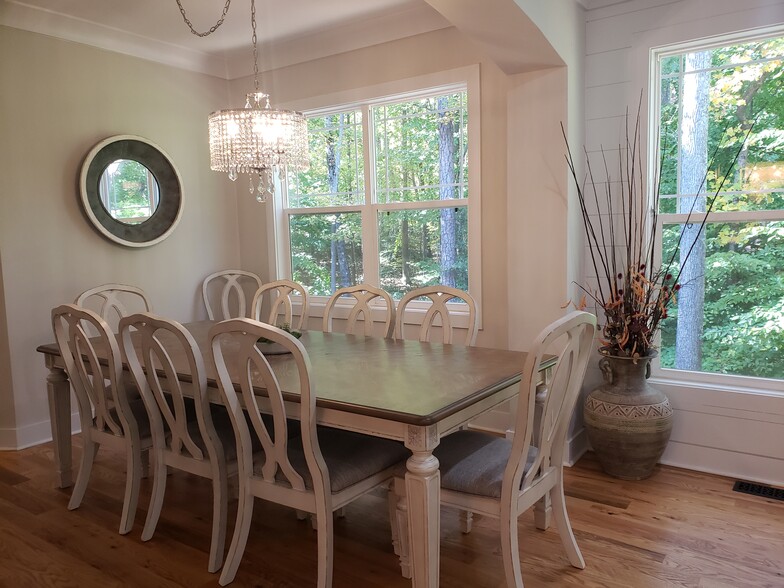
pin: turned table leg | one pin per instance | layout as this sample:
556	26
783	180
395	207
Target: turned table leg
423	489
59	391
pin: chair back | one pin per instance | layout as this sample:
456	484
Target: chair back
114	301
362	294
74	331
281	303
226	293
439	296
235	352
569	342
158	350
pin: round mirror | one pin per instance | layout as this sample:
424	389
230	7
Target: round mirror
131	191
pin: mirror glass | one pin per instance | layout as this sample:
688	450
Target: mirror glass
129	191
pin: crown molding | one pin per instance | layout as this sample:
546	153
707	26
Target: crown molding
226	64
343	38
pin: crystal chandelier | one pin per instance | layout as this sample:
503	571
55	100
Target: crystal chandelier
256	139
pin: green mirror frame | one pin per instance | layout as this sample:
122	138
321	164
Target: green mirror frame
166	216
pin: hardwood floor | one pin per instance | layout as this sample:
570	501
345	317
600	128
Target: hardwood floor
679	528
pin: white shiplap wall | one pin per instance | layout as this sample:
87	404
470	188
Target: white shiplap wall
725	431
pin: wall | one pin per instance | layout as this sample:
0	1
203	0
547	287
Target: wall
717	430
410	57
59	99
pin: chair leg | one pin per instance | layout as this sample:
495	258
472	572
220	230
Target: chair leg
324	540
156	498
466	521
133	477
510	550
240	537
564	526
543	512
89	452
146	463
400	520
220	507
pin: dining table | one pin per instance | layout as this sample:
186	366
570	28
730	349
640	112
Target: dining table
411	391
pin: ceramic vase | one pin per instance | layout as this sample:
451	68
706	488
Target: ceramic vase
628	421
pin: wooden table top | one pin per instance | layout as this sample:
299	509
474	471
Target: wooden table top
405	381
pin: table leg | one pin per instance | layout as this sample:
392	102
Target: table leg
59	391
423	493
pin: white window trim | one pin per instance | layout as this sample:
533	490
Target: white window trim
464	78
720	382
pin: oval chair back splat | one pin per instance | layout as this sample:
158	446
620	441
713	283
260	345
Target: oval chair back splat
363	295
281	303
439	297
226	293
114	301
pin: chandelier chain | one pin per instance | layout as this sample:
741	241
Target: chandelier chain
213	28
255	46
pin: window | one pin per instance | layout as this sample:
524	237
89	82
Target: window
386	198
729	317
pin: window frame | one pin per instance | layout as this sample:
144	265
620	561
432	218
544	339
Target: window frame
459	79
728	382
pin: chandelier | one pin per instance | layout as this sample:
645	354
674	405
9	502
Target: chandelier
257	139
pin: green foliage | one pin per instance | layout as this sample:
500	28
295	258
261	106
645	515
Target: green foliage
128	184
412	142
743	330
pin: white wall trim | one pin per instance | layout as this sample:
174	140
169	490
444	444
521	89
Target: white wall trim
69	28
34	434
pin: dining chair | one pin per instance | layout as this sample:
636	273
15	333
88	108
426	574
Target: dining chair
114	301
188	433
281	297
106	413
439	297
363	295
502	478
320	470
226	293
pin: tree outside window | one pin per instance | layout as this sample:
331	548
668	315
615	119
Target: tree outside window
729	318
386	197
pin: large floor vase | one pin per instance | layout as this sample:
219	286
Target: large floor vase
628	421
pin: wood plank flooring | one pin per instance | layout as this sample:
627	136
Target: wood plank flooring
679	528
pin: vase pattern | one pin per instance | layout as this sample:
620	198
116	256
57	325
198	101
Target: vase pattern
628	421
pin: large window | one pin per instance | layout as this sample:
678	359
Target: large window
729	317
386	198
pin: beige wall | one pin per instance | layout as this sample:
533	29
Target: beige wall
58	99
414	56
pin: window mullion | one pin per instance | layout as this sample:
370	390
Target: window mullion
369	214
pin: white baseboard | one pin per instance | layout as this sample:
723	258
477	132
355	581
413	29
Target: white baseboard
576	447
722	462
30	435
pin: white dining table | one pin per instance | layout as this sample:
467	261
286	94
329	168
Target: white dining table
409	391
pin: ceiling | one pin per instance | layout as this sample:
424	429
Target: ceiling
154	29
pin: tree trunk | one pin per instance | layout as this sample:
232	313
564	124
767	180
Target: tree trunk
446	177
694	164
339	271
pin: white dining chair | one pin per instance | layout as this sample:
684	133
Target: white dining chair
280	296
315	472
439	310
502	478
106	413
188	433
226	293
363	295
114	301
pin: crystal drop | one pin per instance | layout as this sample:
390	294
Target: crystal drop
251	189
233	174
261	185
259	197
